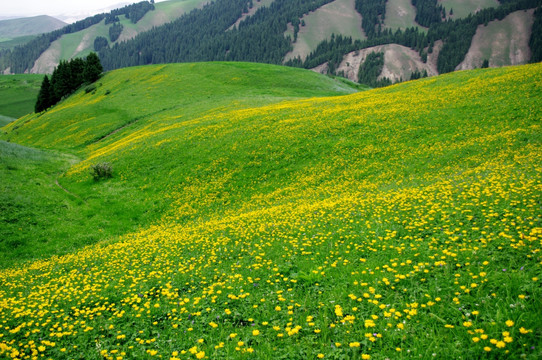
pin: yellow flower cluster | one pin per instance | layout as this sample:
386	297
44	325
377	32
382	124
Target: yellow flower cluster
372	248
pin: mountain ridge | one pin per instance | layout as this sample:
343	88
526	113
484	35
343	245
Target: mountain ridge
13	28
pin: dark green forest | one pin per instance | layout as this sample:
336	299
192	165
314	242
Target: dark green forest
202	35
535	42
428	12
373	13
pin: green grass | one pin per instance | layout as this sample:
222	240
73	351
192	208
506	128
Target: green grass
337	17
31	204
395	223
462	8
185	92
11	43
4	120
14	28
400	14
18	94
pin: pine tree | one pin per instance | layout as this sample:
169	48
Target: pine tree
93	68
44	96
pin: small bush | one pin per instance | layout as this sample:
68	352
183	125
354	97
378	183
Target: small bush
90	88
101	171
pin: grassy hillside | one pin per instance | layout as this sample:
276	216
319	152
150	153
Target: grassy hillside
10	44
395	223
124	106
164	12
337	17
400	14
13	28
18	94
462	8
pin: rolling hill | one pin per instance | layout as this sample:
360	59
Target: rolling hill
261	211
18	95
13	28
125	101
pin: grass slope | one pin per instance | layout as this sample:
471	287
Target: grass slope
18	94
399	223
337	17
10	44
31	203
462	8
400	14
502	42
13	28
90	121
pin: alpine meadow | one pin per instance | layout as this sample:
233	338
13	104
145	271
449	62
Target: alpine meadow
247	211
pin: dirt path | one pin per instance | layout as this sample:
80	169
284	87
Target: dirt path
68	192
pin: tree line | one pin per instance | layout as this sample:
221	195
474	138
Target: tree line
428	12
67	77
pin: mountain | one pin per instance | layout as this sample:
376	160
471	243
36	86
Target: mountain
239	210
42	55
13	28
410	38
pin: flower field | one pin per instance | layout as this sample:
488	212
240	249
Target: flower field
398	223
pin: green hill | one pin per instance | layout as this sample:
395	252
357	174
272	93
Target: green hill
18	95
125	104
262	214
14	28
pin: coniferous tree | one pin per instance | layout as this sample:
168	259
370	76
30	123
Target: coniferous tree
93	68
99	43
77	67
44	96
67	77
114	31
61	81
